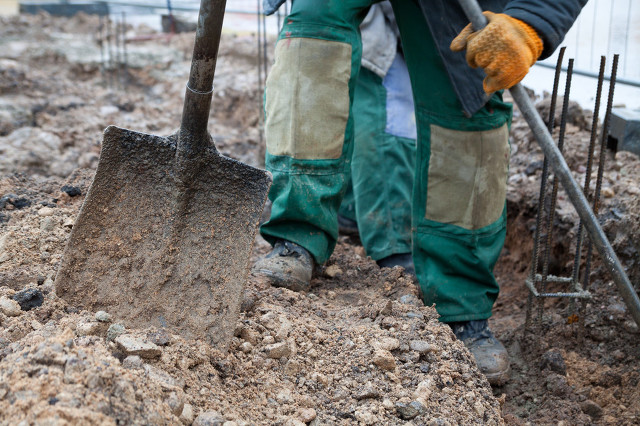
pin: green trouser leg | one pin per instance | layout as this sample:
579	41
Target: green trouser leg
458	212
381	171
309	127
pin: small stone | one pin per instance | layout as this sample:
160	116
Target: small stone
187	415
367	392
384	359
423	390
132	345
608	192
250	335
87	328
386	343
114	331
163	378
29	298
333	271
408	411
246	347
46	211
175	403
71	191
553	360
591	408
278	350
132	362
9	307
307	415
425	367
365	417
68	223
102	316
410	299
160	337
387	404
479	409
421	346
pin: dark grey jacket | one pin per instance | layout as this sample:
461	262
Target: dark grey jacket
550	18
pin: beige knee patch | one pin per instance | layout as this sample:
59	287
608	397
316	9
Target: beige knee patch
467	176
307	103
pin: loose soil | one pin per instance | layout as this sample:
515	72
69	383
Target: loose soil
359	348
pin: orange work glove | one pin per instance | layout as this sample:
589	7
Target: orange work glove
506	48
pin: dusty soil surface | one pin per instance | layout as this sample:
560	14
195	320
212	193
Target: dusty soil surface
358	349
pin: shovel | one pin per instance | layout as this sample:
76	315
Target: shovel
165	233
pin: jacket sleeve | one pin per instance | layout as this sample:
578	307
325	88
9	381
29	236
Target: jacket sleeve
551	19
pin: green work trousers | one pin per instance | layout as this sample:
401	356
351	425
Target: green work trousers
458	203
378	196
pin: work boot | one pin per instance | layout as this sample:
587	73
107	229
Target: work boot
491	357
288	265
347	226
399	259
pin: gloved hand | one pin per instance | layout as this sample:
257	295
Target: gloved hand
506	48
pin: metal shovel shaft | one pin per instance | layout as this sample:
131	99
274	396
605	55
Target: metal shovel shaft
561	169
197	101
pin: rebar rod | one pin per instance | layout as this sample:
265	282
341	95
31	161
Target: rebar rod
554	191
124	45
543	184
587	176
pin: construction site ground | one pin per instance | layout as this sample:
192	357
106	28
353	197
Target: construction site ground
359	348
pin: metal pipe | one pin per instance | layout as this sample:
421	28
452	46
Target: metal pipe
559	166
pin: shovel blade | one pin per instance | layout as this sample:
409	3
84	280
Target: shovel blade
156	252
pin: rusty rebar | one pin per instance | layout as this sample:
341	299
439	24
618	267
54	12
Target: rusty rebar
603	148
587	177
554	191
543	185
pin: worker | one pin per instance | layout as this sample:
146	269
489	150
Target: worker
377	202
462	153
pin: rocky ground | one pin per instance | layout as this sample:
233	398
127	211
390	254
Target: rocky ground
358	349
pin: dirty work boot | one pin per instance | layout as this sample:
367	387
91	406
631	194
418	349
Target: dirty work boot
287	265
399	259
491	357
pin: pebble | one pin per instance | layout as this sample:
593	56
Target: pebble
423	390
591	408
386	343
409	411
114	331
29	298
307	415
367	392
71	191
553	360
365	417
384	359
102	316
421	346
163	378
132	362
278	350
132	345
246	347
9	307
46	211
333	271
87	328
175	403
187	415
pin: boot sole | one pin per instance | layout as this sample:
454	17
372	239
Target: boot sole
281	280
